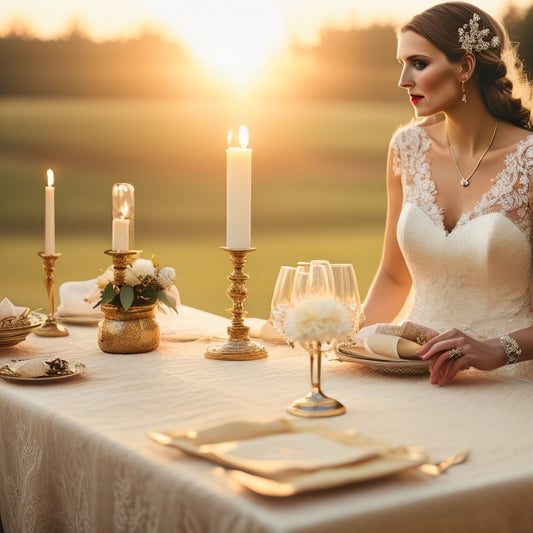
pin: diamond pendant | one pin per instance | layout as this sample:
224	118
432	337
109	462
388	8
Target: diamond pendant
464	182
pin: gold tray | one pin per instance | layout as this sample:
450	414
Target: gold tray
373	459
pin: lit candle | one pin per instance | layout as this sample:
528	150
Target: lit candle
49	216
239	193
121	230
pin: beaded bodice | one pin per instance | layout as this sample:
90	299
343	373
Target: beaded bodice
476	277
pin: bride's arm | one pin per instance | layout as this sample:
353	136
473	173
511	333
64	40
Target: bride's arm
392	282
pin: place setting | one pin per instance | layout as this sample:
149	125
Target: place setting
38	370
281	457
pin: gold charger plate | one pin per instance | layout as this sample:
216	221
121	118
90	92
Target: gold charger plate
357	354
375	459
77	368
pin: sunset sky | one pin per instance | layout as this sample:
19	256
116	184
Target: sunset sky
217	31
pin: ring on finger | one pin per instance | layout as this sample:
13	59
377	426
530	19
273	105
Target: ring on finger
455	353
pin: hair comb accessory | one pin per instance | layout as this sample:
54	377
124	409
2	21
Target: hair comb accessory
472	39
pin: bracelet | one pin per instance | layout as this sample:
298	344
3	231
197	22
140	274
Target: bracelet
512	350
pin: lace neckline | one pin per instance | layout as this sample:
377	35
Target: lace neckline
487	199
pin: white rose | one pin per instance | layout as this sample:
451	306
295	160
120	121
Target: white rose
105	279
166	277
143	268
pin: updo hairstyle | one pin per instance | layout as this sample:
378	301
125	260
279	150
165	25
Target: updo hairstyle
505	89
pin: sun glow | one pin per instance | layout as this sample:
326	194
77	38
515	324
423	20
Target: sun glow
235	37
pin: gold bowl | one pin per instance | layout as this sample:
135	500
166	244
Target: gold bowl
13	334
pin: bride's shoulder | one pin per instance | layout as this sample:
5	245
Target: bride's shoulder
415	134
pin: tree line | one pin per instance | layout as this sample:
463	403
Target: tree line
354	63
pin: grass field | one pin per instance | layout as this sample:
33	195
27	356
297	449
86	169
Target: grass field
318	188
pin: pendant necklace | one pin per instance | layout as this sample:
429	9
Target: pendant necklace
465	182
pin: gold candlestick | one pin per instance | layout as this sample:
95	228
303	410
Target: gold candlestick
238	347
121	261
50	328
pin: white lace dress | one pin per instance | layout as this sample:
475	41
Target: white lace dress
478	276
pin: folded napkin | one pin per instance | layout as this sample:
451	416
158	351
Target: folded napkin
273	454
263	329
385	346
196	325
7	309
73	300
32	368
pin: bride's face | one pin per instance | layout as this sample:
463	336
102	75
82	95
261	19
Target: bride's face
433	82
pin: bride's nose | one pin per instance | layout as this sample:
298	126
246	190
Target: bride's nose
405	82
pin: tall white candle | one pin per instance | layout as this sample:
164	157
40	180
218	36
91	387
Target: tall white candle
121	231
49	215
239	194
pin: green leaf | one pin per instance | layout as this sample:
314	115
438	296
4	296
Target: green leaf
149	295
108	294
126	296
162	295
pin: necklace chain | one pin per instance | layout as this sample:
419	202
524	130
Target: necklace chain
465	182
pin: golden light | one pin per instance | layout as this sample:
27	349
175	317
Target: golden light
50	175
230	136
125	210
243	136
235	37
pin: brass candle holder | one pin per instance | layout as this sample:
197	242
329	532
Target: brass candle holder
238	347
121	261
50	328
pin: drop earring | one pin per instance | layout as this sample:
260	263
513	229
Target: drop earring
464	98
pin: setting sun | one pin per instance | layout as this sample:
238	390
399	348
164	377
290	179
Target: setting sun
235	37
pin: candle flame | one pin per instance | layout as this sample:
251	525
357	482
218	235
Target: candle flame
230	136
243	136
50	174
124	210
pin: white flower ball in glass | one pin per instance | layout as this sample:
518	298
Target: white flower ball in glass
318	320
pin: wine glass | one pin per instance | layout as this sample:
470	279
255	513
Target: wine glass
321	284
281	298
299	286
347	294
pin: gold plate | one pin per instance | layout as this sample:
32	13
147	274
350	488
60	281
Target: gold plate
348	353
78	368
373	459
12	336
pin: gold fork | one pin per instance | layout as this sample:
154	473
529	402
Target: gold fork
435	469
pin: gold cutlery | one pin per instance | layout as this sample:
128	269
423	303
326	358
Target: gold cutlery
435	469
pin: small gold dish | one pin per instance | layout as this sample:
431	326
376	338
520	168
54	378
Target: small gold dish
15	329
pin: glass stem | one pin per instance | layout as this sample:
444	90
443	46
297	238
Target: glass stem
315	353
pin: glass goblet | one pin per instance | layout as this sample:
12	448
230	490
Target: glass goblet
347	294
321	284
281	298
300	286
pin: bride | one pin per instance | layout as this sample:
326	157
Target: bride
459	229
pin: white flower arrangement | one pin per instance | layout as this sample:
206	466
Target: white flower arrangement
318	320
144	284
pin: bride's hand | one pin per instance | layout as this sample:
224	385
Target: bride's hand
453	351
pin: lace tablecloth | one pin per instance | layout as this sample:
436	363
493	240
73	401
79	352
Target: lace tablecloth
75	454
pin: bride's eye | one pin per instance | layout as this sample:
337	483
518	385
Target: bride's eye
419	64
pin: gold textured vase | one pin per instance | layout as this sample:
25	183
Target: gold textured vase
133	331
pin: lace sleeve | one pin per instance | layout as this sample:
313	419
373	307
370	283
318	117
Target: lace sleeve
512	192
410	148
